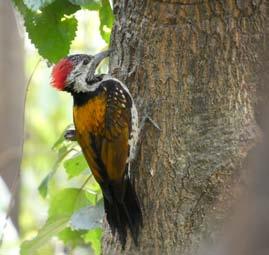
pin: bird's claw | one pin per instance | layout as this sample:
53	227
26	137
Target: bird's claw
70	135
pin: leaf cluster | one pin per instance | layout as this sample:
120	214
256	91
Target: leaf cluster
51	24
75	214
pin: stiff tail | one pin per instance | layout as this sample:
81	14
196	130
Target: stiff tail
123	210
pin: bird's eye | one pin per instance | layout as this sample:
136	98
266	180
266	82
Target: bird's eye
85	62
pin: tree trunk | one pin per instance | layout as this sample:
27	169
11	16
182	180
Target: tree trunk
191	65
12	83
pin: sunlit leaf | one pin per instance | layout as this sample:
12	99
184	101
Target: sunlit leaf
92	198
95	187
94	238
67	201
35	5
52	30
61	138
89	217
75	165
62	205
43	187
62	153
51	228
71	237
106	20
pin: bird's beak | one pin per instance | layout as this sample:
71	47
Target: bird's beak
96	61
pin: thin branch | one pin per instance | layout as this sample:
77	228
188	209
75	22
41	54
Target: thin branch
85	182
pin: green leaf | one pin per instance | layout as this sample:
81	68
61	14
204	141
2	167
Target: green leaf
106	20
71	237
61	138
67	201
52	30
94	237
75	165
92	5
43	187
62	153
62	205
89	217
51	228
58	30
71	200
35	5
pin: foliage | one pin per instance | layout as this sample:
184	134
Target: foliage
75	214
60	213
75	165
106	20
51	24
92	237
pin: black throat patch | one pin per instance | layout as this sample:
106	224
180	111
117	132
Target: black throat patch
80	98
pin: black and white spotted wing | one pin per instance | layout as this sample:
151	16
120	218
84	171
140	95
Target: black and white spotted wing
120	111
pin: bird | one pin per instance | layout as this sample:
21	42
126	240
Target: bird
106	128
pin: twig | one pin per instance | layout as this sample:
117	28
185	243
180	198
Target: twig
85	182
82	187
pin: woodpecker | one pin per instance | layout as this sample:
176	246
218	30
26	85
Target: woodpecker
106	128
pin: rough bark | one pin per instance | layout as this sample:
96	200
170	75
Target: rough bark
191	65
12	83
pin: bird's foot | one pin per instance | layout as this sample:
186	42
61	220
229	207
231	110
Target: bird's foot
70	135
141	130
146	119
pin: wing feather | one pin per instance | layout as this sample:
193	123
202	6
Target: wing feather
103	128
115	147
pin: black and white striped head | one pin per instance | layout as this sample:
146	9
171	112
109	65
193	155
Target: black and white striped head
75	72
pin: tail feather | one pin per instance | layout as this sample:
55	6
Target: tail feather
133	211
123	213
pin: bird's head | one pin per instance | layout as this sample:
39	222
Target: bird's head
75	72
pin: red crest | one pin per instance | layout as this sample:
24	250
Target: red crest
60	72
